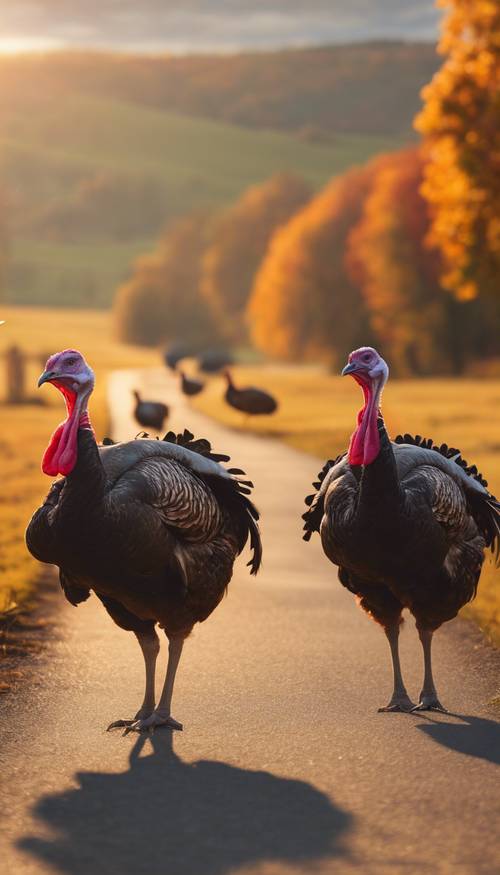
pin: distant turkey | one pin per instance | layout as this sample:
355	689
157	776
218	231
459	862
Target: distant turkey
190	386
153	527
406	522
250	400
175	353
150	414
214	360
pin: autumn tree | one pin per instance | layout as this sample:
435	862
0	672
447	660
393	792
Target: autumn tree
239	242
305	302
162	299
398	276
460	122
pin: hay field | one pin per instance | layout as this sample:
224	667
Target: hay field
317	414
26	429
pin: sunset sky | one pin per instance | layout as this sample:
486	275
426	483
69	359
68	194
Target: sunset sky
208	25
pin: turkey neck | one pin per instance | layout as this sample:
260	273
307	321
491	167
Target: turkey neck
86	483
379	489
371	455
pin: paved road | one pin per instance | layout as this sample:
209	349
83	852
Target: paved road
284	765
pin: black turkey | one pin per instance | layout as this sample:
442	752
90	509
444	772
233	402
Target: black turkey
250	400
214	360
152	526
150	414
407	523
175	353
190	386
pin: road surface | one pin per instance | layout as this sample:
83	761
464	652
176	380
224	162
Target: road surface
284	764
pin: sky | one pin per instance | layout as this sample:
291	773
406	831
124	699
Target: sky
208	25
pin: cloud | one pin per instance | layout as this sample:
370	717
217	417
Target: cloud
209	25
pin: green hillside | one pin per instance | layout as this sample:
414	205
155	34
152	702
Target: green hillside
92	181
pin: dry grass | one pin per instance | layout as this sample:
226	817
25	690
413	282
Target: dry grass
317	412
26	428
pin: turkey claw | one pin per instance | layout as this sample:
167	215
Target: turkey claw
117	724
149	724
430	703
141	714
402	704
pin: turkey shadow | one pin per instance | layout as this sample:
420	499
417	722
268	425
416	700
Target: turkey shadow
475	736
169	817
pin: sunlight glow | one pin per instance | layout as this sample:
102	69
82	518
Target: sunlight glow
20	45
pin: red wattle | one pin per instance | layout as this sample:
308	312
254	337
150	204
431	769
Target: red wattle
364	445
62	452
48	464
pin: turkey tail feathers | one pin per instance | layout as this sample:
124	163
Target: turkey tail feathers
485	507
231	494
315	503
492	528
450	453
201	445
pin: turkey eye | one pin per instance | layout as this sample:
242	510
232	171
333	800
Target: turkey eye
71	362
366	358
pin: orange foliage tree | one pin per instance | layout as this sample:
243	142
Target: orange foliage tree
305	302
162	299
398	276
239	241
460	122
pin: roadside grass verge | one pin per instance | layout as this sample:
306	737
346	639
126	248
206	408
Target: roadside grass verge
317	414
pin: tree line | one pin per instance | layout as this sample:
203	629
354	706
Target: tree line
403	252
316	92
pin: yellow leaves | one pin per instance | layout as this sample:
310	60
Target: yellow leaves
304	302
460	121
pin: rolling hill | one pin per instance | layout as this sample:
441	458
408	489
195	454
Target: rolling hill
92	180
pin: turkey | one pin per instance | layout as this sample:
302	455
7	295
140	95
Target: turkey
190	386
407	523
175	353
214	360
250	400
153	527
150	414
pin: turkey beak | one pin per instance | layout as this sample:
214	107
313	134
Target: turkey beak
46	377
349	369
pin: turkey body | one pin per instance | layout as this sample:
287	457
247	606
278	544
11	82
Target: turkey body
406	522
250	400
141	527
409	531
153	528
190	386
150	414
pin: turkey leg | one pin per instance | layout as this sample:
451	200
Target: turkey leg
150	647
400	700
428	700
161	715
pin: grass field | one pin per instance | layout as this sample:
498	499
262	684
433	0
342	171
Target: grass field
50	147
317	413
26	429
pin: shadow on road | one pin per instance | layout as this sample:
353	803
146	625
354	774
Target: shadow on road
475	736
169	817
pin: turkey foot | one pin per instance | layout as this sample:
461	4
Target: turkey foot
142	714
149	724
429	702
399	703
400	700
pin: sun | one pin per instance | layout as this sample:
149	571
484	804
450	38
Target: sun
16	45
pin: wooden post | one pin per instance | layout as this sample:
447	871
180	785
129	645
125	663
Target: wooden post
15	375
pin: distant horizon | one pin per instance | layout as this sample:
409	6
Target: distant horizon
208	26
53	48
